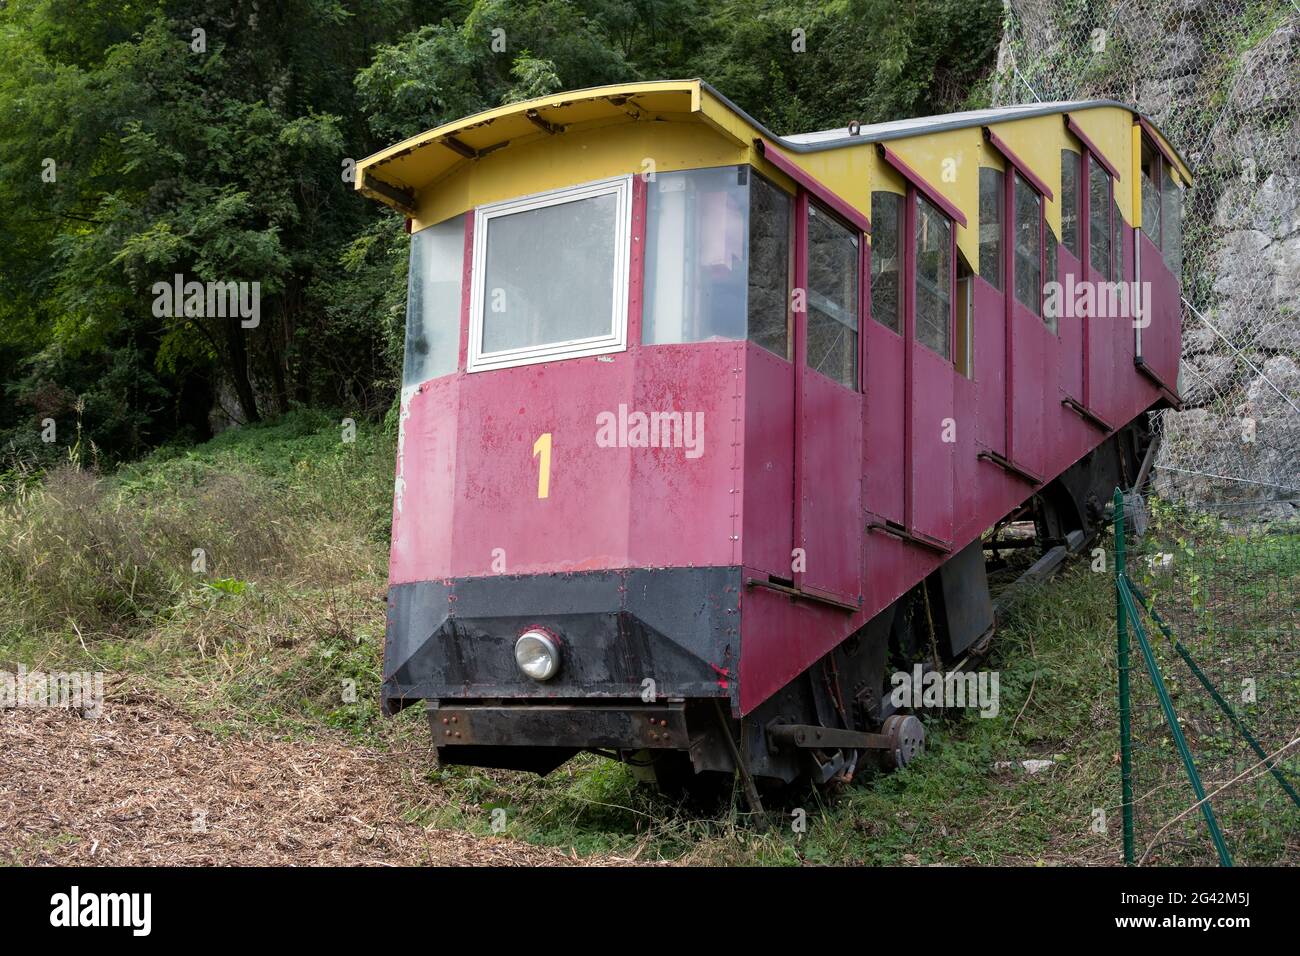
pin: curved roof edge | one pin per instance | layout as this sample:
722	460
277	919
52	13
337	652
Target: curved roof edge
815	142
516	120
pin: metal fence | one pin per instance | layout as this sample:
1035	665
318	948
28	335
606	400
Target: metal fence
1220	78
1209	687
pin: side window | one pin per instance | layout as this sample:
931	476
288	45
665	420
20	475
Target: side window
991	226
1099	203
433	302
933	278
833	257
696	256
1029	246
769	266
1070	202
886	259
1171	216
1151	205
1162	220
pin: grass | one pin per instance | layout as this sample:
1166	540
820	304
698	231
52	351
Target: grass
1228	595
243	578
280	631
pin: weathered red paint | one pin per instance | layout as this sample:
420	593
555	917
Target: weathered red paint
1161	338
765	472
470	480
831	496
990	367
882	423
1070	330
636	265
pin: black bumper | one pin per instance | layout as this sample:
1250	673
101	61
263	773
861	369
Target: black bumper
641	636
561	724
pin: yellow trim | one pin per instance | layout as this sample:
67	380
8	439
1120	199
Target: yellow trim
599	152
1135	176
1109	129
418	161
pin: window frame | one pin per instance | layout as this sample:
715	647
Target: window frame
450	364
616	340
1112	213
916	197
1014	178
999	176
1164	172
806	201
1157	186
901	254
791	250
1074	196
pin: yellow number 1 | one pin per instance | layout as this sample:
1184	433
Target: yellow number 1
543	447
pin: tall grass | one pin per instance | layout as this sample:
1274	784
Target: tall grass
246	575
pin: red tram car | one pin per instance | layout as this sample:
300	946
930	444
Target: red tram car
701	426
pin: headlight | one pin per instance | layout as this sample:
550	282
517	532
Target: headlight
537	654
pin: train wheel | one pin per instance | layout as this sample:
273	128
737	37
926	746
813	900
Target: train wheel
906	736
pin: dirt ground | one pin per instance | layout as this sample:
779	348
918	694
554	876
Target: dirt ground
142	786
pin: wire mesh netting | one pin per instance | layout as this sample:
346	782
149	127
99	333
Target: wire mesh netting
1226	594
1221	79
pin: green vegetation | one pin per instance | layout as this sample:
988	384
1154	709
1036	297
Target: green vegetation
144	140
1228	596
241	577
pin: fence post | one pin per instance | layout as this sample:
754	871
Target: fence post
1125	731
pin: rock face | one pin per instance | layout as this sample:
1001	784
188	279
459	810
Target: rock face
1221	78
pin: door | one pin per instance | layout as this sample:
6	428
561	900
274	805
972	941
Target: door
884	421
828	405
932	424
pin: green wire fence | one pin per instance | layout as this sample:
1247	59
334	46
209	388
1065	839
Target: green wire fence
1210	699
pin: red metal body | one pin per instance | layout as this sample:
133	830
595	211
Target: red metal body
860	479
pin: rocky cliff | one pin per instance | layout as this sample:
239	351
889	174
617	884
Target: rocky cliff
1222	80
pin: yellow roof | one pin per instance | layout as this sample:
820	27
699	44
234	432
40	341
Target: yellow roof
396	174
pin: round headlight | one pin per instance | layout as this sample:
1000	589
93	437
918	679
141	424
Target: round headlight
537	654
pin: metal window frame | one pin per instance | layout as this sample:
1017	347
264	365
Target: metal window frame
816	207
615	340
1014	176
917	196
869	277
1066	197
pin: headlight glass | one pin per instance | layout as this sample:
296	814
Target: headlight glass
537	654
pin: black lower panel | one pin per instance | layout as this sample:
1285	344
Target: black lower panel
645	635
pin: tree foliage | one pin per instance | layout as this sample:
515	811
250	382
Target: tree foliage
142	139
